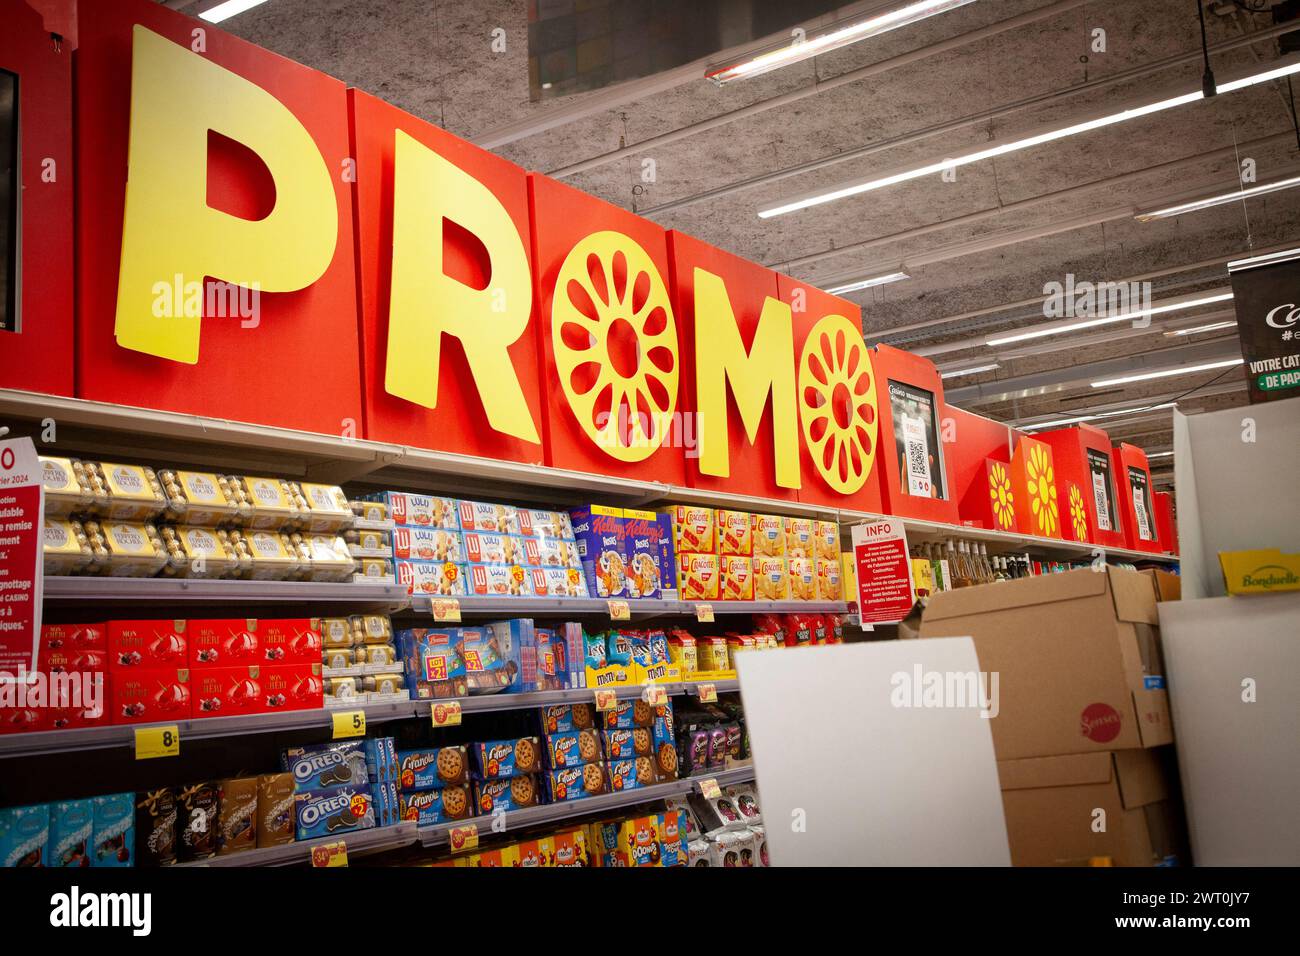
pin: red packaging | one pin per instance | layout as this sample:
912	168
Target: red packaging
771	624
67	637
79	706
147	644
834	629
72	660
290	640
148	695
292	687
227	642
23	720
227	691
798	630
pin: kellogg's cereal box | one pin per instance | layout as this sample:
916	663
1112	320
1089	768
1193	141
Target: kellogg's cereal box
645	575
600	532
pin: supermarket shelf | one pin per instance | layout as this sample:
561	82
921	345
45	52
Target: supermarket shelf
638	607
358	842
439	834
383	596
772	607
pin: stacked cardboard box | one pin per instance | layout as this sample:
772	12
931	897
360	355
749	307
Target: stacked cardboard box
1081	715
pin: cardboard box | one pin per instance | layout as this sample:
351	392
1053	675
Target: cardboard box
1168	587
1052	803
1077	658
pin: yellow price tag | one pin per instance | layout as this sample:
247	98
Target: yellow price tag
707	693
349	723
606	699
710	789
157	742
464	838
655	695
446	714
619	611
704	613
446	610
330	854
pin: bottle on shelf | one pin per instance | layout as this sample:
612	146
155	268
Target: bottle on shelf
985	564
942	573
1000	568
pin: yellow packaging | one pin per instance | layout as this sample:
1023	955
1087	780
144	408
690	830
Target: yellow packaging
736	578
735	532
506	858
270	501
827	534
135	550
697	577
848	576
66	547
135	493
829	586
768	534
681	651
712	653
803	578
67	487
272	554
771	579
693	530
922	578
327	507
1260	571
799	541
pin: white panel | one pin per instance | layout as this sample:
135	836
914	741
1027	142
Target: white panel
876	784
1239	761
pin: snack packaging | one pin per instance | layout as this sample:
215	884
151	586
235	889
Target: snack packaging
600	532
275	810
237	817
156	827
113	837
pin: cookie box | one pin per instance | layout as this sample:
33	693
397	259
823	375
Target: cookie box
768	535
564	718
736	578
628	714
25	836
112	841
672	838
544	524
422	511
506	758
641	551
434	663
551	552
624	744
600	533
320	766
800	541
558	582
503	795
428	544
735	532
430	578
149	695
571	748
826	541
533	854
498	580
631	774
332	812
638	842
697	577
387	805
569	849
574	783
829	587
382	765
431	768
771	579
492	656
488	517
484	547
550	654
802	578
504	858
694	531
427	807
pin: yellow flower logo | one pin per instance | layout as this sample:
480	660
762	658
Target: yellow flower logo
1004	511
1078	514
1042	490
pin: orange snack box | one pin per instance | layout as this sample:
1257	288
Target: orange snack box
803	578
736	581
697	577
799	541
829	584
693	530
768	535
771	579
735	532
827	534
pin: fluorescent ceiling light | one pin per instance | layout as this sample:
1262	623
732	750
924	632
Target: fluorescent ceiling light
1270	259
1037	139
1159	454
1057	328
1090	418
1219	200
1213	326
1168	373
224	11
868	283
833	39
970	371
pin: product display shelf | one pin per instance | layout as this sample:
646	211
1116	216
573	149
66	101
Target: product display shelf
382	596
439	834
358	843
1002	542
638	607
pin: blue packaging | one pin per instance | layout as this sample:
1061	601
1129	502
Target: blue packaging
495	796
334	811
322	766
72	823
434	662
381	760
600	533
507	758
427	807
574	783
24	835
492	658
386	803
113	840
432	767
667	556
516	641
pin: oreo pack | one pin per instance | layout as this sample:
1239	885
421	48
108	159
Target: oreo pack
334	811
322	766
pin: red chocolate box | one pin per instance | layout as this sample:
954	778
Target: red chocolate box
147	644
292	687
290	641
227	691
149	695
224	643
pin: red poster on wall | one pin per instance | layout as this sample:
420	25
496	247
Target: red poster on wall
448	317
884	570
22	501
610	338
216	271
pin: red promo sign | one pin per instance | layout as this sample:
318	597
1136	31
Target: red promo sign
22	502
884	570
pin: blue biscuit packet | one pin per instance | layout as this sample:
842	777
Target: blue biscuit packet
427	807
381	759
326	765
432	767
330	812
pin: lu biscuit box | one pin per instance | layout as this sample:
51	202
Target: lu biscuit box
735	530
488	517
499	580
697	577
736	578
769	535
334	811
428	544
694	531
601	532
492	547
429	578
422	511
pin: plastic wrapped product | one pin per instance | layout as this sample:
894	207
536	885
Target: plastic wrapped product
197	498
67	547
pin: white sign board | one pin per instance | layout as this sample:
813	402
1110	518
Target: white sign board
874	755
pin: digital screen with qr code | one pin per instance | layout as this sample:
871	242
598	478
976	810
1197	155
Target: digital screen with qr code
916	441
